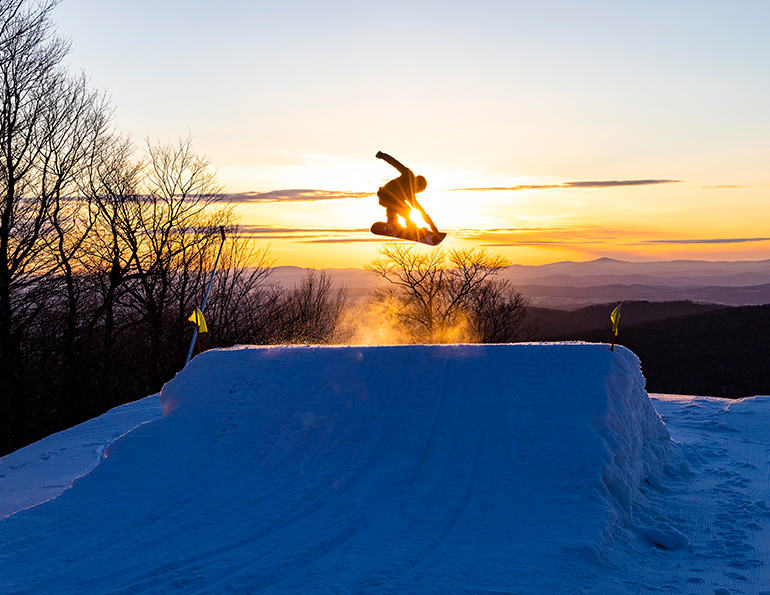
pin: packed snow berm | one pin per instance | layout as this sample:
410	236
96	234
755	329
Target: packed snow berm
528	468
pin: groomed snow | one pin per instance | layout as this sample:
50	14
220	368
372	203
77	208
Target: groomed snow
43	470
409	469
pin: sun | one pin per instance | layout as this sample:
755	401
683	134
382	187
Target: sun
417	219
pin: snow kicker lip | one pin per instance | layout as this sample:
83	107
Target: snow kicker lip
374	469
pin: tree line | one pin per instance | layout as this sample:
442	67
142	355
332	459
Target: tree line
106	249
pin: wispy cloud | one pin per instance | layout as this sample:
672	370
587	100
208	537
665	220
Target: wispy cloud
613	183
294	195
326	235
709	241
585	184
260	229
304	234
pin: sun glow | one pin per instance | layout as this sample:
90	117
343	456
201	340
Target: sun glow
416	217
528	220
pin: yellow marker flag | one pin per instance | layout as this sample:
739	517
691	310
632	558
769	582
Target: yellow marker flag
615	318
197	318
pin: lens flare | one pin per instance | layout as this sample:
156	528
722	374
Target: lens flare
416	217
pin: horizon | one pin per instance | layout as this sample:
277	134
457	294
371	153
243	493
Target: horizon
576	262
547	133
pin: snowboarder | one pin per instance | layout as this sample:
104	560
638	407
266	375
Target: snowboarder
398	198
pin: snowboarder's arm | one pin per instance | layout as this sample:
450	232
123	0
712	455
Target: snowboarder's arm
387	158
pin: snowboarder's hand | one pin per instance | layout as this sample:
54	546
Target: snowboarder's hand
379	155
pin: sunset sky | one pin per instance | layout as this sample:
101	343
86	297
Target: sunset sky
546	130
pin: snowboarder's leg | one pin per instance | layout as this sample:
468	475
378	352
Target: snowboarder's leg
392	215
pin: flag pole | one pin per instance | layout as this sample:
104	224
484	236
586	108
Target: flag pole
206	297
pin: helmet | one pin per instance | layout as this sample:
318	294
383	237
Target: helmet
421	183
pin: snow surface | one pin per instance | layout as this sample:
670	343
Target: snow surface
43	470
708	513
409	469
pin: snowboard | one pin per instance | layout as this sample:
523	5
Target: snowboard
413	234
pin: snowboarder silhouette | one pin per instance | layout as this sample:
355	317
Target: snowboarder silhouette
399	198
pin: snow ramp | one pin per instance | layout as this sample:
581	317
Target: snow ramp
405	469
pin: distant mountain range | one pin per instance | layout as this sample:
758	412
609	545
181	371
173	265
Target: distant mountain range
570	285
672	270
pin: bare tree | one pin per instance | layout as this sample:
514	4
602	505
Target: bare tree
17	18
30	80
112	187
77	129
499	312
242	304
438	296
310	311
418	282
179	192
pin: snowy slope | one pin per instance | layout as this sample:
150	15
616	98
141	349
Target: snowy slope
409	469
714	491
43	470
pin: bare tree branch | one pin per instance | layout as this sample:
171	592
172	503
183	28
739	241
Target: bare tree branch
437	303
